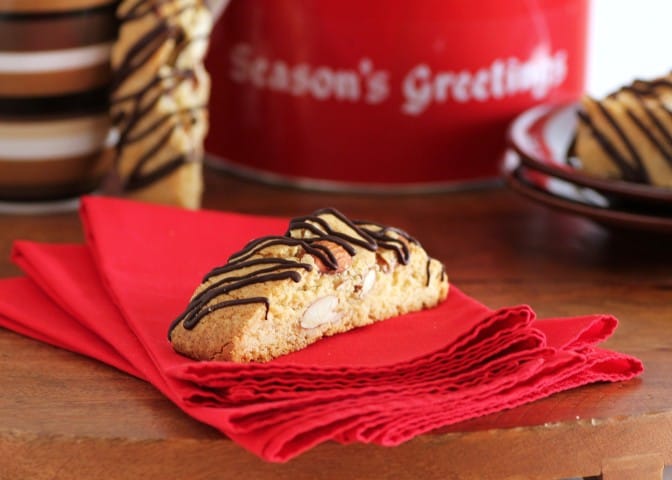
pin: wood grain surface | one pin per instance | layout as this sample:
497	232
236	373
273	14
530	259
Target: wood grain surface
63	416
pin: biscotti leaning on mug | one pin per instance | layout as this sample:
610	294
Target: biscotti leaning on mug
627	135
159	101
326	275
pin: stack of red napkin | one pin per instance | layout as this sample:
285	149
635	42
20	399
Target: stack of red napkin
114	298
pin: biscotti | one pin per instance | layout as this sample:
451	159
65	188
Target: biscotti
627	135
159	101
325	276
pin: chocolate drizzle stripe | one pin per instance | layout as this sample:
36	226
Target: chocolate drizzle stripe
398	246
570	156
308	245
253	263
156	125
654	118
628	172
649	135
639	87
202	298
363	239
153	150
198	307
626	141
331	260
663	130
190	323
136	11
258	273
142	51
254	246
659	82
178	75
138	179
193	321
343	242
323	228
325	233
659	127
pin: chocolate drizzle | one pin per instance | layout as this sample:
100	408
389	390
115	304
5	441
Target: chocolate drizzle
397	243
646	112
319	226
249	266
131	109
144	7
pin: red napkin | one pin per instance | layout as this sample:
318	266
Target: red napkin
385	383
25	309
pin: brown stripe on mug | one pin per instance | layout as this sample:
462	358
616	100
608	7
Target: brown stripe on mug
31	108
57	31
32	6
52	83
54	178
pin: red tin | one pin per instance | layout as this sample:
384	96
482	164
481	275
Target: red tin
385	93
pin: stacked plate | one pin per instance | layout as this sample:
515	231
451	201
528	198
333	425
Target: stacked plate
539	169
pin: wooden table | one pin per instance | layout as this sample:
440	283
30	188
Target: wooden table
63	416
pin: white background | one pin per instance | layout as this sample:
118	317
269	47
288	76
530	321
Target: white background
627	39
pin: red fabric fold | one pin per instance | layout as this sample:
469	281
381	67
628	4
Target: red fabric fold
114	299
25	309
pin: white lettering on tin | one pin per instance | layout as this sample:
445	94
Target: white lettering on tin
420	88
503	78
322	82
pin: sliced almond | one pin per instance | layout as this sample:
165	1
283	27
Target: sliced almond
368	282
386	264
342	257
321	311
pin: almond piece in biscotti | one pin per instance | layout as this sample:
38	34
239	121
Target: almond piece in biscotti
368	282
334	252
321	311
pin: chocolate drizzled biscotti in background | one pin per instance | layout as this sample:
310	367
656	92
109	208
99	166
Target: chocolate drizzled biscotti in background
628	135
159	100
325	276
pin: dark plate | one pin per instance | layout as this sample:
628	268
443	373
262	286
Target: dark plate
541	137
568	197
